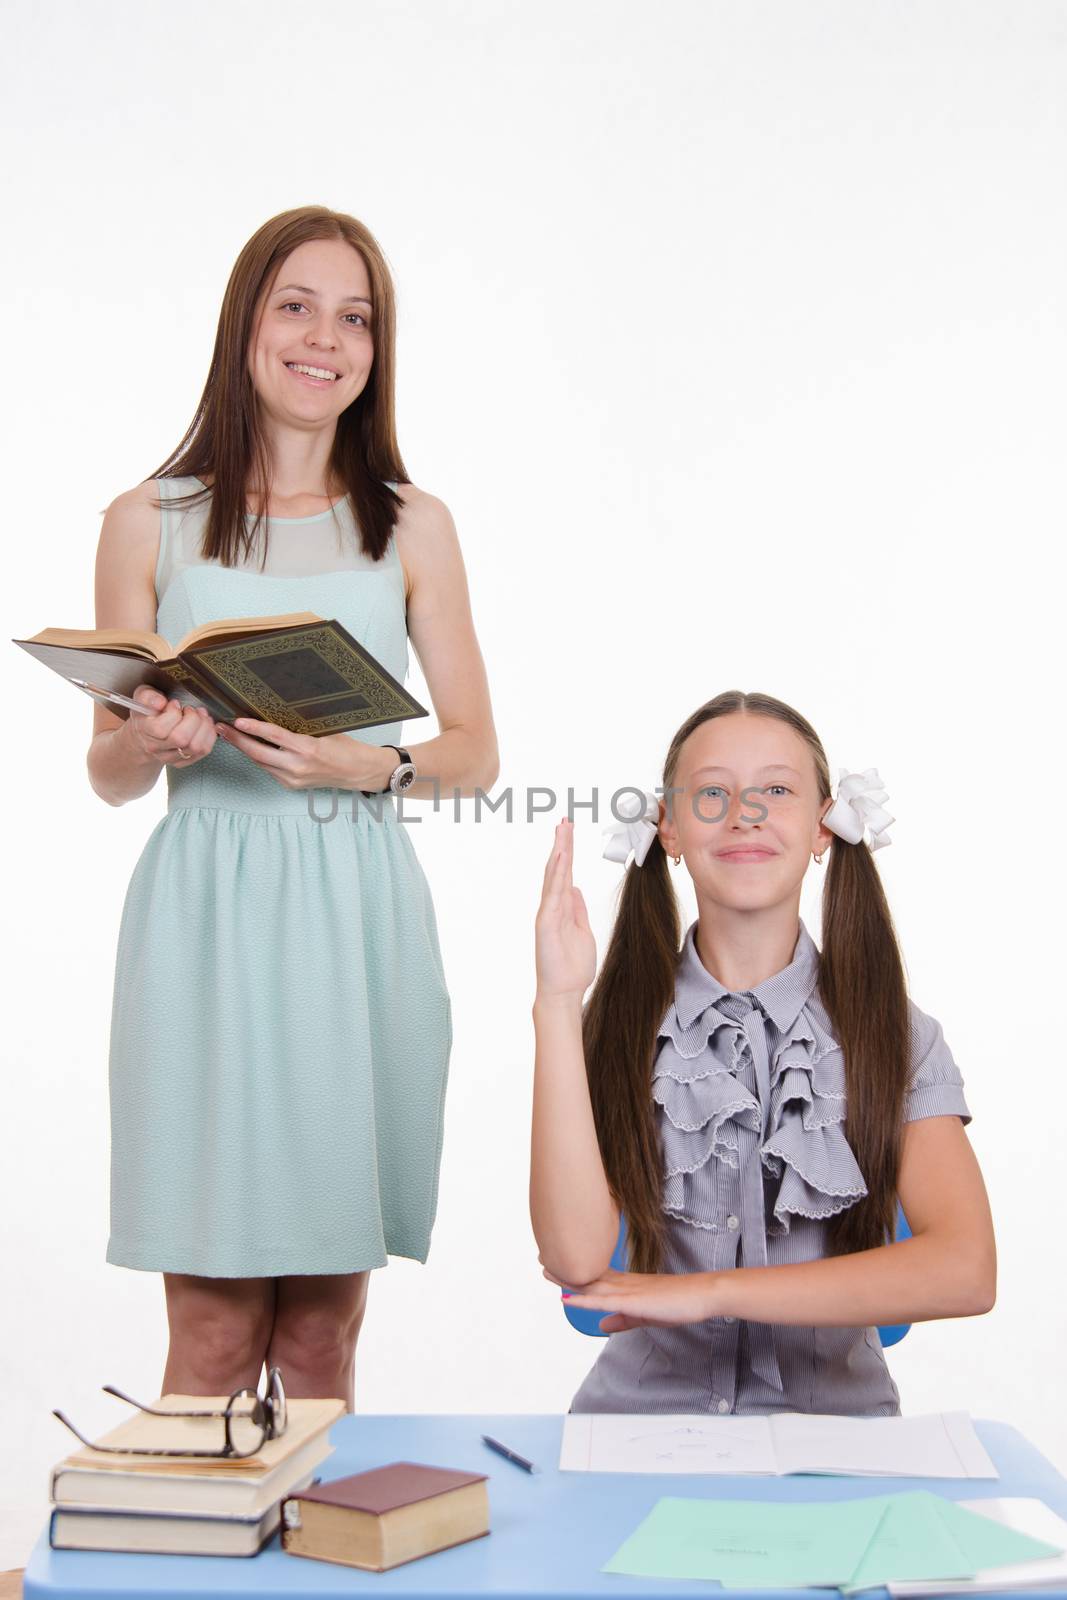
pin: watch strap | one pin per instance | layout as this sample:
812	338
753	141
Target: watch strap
403	757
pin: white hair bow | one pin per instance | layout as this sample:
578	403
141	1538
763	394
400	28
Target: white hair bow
859	802
638	828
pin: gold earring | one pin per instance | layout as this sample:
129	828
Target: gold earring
818	860
676	859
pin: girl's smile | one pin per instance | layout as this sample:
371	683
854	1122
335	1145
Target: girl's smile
750	853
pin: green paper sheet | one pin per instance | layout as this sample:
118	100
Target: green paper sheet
847	1544
751	1543
903	1547
913	1540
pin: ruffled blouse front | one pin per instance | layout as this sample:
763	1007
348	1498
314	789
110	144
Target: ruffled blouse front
796	1112
749	1089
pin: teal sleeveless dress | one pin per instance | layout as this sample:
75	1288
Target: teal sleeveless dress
281	1025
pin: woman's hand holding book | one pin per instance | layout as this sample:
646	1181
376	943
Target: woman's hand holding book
174	735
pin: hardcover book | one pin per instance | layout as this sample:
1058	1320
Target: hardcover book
380	1519
299	671
193	1489
162	1533
307	1419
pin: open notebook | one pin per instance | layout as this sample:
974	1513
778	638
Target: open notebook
941	1445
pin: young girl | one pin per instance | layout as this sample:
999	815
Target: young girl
281	1025
752	1107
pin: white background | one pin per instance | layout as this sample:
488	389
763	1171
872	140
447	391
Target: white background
735	342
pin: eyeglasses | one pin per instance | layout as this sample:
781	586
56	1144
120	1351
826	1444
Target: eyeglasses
246	1428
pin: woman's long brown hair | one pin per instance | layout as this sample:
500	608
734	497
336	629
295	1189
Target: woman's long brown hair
225	437
861	984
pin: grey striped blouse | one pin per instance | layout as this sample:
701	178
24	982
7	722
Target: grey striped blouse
749	1090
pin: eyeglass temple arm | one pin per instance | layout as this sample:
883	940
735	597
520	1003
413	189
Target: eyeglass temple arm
65	1420
154	1411
121	1450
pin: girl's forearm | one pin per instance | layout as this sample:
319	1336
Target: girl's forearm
118	769
912	1280
574	1218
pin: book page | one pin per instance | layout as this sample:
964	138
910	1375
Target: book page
223	626
153	646
604	1442
939	1445
133	641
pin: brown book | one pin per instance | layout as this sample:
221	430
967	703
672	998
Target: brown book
380	1519
297	670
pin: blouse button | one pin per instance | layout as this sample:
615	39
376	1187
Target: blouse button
724	1405
729	1319
733	1224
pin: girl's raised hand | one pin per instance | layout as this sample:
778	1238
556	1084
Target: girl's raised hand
564	943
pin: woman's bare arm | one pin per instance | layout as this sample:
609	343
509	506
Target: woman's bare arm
575	1221
118	764
463	756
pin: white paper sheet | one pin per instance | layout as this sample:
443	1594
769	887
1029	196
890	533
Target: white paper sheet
937	1445
940	1445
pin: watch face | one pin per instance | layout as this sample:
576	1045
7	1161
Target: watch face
402	778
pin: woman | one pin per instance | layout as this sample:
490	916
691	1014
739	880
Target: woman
281	1024
754	1108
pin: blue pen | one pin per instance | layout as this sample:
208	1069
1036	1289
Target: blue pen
511	1455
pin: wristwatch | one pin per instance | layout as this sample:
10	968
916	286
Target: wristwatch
401	777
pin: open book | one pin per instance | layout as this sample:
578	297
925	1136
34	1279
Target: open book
298	671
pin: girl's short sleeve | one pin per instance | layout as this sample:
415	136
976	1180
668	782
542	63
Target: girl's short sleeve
935	1088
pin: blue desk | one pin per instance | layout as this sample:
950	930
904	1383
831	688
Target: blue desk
551	1532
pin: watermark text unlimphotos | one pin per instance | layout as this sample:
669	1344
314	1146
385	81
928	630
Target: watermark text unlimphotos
708	804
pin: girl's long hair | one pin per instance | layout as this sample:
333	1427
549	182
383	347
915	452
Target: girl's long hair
861	984
225	437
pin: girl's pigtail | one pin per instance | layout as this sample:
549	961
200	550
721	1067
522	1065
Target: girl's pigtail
620	1024
862	985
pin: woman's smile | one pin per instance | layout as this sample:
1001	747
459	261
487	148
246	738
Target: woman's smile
319	377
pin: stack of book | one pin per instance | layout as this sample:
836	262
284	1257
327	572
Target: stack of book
185	1505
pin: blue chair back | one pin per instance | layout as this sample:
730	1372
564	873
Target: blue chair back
588	1322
